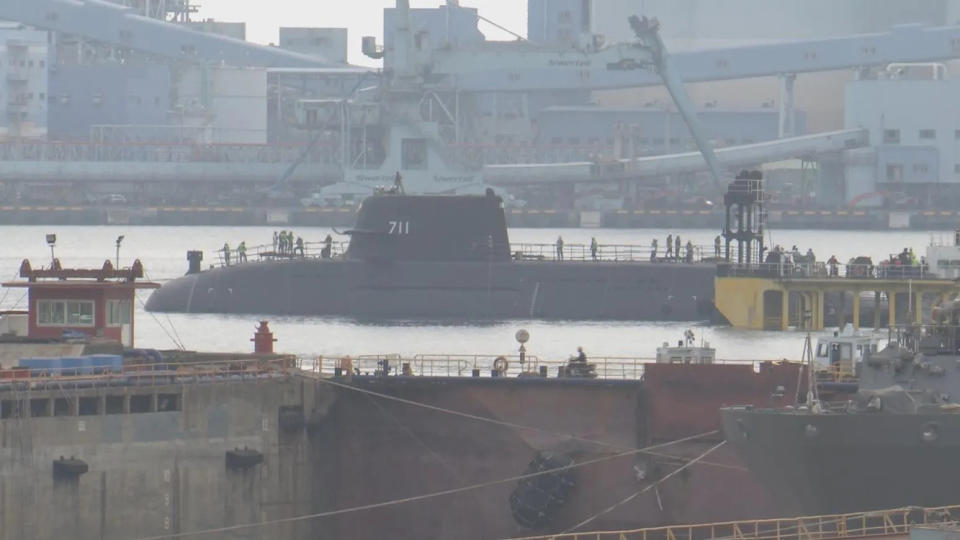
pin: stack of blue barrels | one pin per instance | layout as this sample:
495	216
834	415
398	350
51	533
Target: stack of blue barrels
69	366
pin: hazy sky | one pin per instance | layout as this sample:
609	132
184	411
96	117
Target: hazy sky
361	17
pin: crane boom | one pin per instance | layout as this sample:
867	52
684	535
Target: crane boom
648	31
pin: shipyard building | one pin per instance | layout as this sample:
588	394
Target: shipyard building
187	112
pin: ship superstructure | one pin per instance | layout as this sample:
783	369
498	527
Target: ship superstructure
891	446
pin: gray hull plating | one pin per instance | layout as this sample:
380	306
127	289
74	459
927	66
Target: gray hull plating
838	463
447	290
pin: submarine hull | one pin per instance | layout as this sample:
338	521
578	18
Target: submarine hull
840	463
451	290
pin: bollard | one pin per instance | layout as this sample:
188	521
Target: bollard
263	339
476	372
543	371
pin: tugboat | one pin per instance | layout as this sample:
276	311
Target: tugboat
893	445
841	354
686	351
447	257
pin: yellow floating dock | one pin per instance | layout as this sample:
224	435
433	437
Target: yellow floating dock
766	302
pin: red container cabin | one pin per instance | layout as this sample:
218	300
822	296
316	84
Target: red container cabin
95	302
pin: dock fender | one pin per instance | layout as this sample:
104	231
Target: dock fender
537	500
245	458
64	469
291	418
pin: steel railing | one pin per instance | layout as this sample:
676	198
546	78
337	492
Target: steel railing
152	374
607	253
855	525
823	270
519	252
163	152
311	250
183	145
464	365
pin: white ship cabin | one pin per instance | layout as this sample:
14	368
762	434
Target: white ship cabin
943	257
843	352
686	352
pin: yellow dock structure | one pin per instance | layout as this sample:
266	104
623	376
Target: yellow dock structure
758	298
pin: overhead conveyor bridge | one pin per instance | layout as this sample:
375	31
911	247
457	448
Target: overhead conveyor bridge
536	68
805	146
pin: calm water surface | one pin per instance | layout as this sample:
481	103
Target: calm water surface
163	253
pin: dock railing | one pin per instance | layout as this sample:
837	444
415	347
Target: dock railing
152	374
823	270
623	368
855	525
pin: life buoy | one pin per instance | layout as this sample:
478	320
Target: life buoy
500	364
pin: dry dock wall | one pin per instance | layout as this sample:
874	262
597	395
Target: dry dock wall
156	458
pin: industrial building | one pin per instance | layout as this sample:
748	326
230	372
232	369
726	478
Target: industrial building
186	112
24	59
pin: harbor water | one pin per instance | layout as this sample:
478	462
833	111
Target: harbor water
163	253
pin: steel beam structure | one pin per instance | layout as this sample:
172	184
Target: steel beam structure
124	27
525	67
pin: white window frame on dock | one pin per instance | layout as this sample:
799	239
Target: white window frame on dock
119	312
71	313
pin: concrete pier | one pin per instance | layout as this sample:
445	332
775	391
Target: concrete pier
156	460
135	461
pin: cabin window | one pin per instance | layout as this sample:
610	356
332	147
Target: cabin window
118	312
49	312
65	313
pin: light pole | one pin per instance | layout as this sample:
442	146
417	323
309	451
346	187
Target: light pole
119	241
522	336
52	241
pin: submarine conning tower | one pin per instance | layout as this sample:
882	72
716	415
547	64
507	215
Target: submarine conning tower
397	227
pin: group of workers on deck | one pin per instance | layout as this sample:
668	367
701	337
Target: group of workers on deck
902	265
241	253
594	248
284	245
674	250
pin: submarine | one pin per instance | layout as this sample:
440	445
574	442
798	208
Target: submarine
443	258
